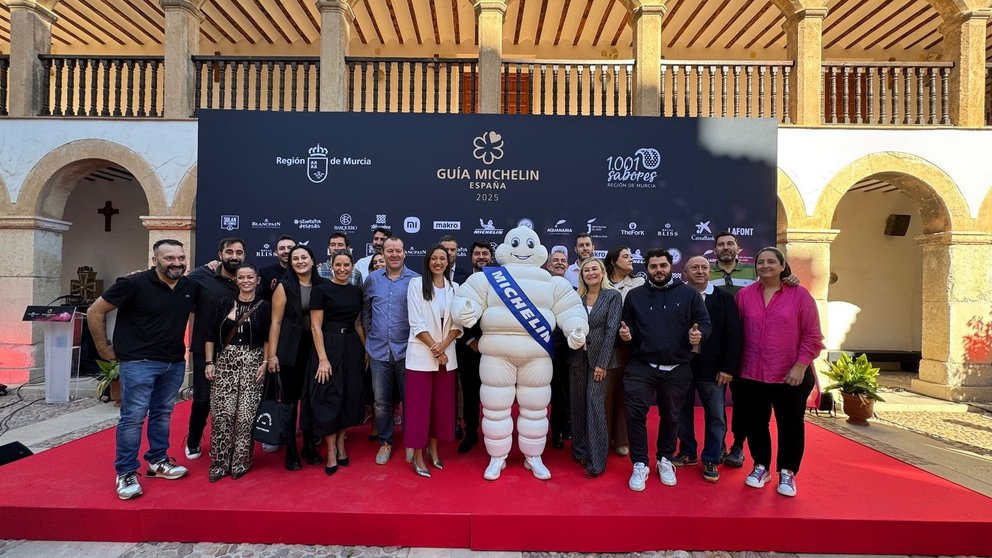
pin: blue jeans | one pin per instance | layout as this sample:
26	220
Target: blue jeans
388	377
711	396
148	388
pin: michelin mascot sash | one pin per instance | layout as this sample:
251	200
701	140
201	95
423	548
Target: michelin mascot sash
519	306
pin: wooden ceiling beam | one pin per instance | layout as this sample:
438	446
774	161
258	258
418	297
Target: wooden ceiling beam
602	23
914	29
897	28
624	24
252	20
709	21
582	23
561	21
522	4
688	22
157	39
247	36
413	18
456	22
272	21
747	26
295	24
396	23
858	24
540	22
69	8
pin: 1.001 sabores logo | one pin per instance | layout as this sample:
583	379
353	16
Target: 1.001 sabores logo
639	170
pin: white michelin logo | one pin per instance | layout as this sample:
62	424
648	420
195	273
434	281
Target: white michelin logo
488	147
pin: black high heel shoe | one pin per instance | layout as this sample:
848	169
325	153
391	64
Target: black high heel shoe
330	470
344	461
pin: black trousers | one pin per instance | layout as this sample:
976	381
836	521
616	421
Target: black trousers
200	408
643	386
736	424
755	401
468	372
560	395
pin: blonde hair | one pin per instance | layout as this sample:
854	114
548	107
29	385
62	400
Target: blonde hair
604	282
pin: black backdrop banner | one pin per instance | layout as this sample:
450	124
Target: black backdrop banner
637	181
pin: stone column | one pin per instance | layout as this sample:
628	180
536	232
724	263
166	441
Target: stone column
335	31
30	274
804	39
182	42
30	35
964	44
490	14
646	21
180	227
808	251
957	317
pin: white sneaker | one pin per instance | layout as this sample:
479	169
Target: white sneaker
128	487
193	453
666	472
496	466
166	469
270	448
786	483
639	477
535	465
758	478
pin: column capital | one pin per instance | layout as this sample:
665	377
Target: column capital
812	236
489	6
952	23
810	13
954	238
33	6
343	6
192	8
168	222
649	10
34	222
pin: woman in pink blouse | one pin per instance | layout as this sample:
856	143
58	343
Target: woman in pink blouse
781	338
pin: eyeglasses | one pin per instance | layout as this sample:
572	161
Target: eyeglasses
728	280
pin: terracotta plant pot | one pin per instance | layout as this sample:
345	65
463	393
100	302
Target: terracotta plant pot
115	392
858	409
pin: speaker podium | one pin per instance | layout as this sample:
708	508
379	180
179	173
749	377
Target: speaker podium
59	322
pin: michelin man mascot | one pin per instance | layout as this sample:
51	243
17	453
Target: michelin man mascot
518	305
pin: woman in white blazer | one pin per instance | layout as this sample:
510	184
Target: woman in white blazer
429	399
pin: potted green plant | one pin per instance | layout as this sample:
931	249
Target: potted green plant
857	381
109	376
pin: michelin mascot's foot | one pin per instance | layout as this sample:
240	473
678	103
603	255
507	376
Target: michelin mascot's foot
496	466
536	466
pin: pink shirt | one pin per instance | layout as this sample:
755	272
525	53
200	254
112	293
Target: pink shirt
778	336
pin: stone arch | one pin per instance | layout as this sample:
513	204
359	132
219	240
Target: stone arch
5	198
940	203
185	201
949	9
49	183
792	208
984	221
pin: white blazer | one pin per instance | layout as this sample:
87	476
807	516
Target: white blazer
428	316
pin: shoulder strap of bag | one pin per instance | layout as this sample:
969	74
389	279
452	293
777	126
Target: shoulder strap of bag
244	317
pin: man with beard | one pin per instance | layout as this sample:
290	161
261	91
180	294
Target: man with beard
153	309
467	350
337	242
214	285
379	236
662	319
560	404
272	274
584	249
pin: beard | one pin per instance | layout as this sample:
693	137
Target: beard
231	266
173	272
663	281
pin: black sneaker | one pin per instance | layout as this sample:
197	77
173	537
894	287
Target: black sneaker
734	457
710	472
681	460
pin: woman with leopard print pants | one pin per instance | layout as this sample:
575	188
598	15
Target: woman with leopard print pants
237	337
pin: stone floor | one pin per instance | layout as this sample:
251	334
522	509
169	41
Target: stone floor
950	440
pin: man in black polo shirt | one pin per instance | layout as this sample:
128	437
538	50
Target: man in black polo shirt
272	274
215	284
154	308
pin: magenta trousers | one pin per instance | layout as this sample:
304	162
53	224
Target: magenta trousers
428	407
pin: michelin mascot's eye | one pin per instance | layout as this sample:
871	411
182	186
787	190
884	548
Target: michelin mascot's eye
530	242
515	242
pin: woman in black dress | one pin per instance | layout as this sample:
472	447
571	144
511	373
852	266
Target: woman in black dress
334	387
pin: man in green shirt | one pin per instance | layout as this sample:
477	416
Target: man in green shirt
729	273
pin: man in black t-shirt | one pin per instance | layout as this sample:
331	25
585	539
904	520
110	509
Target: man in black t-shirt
153	309
272	274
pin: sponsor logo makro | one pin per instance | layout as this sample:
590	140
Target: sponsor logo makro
632	230
265	224
560	229
447	225
230	222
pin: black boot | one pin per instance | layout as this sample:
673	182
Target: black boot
292	454
309	452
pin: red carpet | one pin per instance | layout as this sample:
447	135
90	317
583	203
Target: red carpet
852	499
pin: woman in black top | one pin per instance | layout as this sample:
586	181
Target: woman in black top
237	339
334	389
290	344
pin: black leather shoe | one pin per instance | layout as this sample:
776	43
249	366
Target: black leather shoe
292	458
557	441
468	443
459	433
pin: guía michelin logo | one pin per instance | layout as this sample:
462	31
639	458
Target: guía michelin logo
487	227
488	147
230	222
317	164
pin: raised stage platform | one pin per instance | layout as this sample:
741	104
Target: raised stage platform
852	499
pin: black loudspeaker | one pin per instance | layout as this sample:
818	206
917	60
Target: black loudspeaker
12	452
896	225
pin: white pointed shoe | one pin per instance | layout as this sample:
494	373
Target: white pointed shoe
496	466
536	466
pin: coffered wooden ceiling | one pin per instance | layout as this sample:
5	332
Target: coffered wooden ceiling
707	29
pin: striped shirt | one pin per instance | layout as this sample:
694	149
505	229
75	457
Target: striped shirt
738	278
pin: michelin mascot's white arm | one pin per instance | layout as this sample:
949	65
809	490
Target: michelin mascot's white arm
470	300
569	313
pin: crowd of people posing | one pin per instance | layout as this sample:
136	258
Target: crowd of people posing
344	342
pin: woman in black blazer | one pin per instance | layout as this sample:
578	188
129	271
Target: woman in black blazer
290	345
590	365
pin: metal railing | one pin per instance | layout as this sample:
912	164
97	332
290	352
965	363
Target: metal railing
579	87
4	66
122	86
726	88
284	83
886	93
438	85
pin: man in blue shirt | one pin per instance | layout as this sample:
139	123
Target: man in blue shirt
387	327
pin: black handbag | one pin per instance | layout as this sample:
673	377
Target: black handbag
273	417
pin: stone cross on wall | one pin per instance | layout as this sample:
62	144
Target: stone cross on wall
107	211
